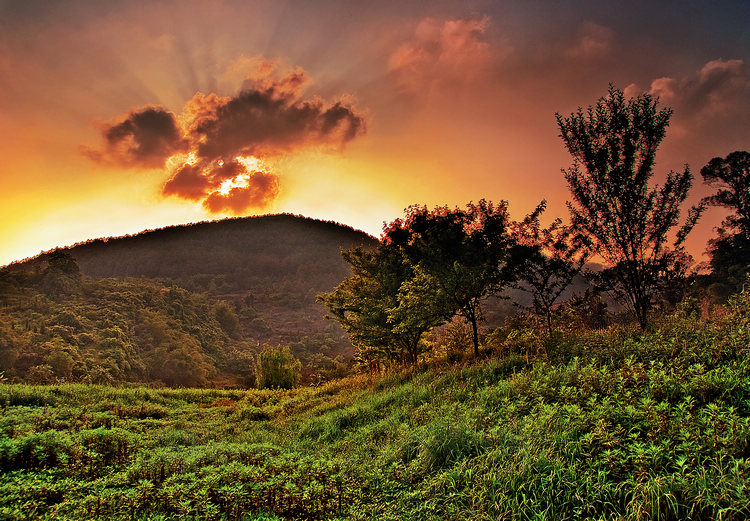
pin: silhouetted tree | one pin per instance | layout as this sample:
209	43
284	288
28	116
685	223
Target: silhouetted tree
613	144
730	251
63	262
730	262
62	275
469	253
731	175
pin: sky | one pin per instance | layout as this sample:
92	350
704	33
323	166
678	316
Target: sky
117	117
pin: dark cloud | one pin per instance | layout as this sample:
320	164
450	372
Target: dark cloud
593	41
443	53
711	107
145	138
273	121
189	182
205	145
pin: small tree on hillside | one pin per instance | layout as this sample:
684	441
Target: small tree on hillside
62	275
226	316
556	255
613	145
469	254
276	368
386	306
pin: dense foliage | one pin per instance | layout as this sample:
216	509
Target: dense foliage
386	305
467	253
56	328
276	368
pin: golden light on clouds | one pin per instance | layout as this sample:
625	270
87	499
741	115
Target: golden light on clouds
216	151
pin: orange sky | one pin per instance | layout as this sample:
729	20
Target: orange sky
356	110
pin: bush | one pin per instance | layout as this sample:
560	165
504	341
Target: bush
276	368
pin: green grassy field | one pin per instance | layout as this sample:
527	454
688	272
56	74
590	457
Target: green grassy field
607	425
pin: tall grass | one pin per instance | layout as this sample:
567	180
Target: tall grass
605	425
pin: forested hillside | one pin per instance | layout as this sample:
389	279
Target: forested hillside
217	290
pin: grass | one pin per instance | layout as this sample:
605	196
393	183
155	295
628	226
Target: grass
626	426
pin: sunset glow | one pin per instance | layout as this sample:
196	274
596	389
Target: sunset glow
132	116
242	180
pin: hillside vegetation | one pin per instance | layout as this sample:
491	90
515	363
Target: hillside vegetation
618	424
186	305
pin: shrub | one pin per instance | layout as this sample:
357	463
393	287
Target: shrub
276	368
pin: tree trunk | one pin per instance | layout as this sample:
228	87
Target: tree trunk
475	331
549	323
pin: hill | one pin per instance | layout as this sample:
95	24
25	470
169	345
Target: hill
253	279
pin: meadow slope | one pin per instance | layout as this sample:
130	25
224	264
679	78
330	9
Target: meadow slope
610	424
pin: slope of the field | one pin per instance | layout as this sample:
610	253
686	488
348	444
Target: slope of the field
610	424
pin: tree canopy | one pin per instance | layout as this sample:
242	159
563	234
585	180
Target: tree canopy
386	306
469	253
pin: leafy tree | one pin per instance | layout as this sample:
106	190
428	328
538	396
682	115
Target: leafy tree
469	254
63	262
386	306
730	262
613	144
61	363
556	255
731	175
276	368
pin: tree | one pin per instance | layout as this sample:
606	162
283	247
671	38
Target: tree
469	254
62	275
614	145
730	252
276	368
730	262
386	306
731	175
556	255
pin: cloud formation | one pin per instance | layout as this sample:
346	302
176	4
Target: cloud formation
216	151
144	138
715	90
594	40
443	52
